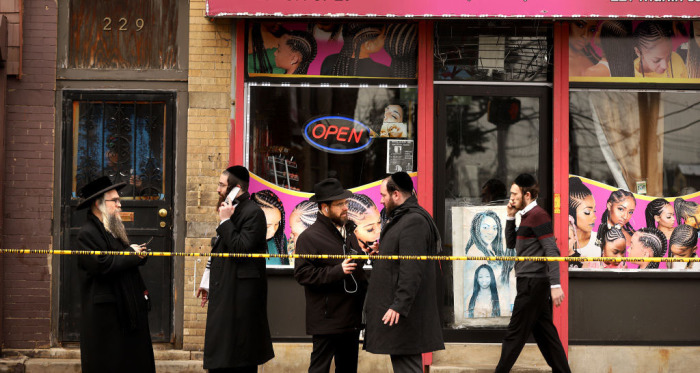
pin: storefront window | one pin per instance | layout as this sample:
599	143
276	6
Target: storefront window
489	140
493	51
302	135
635	156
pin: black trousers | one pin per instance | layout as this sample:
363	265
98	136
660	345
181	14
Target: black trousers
343	347
532	313
407	363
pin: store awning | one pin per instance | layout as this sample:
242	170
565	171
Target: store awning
456	8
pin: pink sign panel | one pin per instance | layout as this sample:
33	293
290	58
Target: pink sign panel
452	8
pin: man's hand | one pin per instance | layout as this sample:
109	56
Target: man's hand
226	210
511	210
205	295
371	249
141	250
348	266
557	296
391	317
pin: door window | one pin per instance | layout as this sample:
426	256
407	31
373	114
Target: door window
123	140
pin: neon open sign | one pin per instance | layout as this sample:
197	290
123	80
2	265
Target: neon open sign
336	134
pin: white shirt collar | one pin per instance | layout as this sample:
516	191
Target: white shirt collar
528	208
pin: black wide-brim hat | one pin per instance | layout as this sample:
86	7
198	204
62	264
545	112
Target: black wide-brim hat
95	189
329	190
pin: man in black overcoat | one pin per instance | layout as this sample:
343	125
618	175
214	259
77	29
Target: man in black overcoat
335	288
403	318
237	335
114	334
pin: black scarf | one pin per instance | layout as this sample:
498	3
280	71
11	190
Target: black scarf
411	206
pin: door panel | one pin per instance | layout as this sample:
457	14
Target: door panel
485	137
127	137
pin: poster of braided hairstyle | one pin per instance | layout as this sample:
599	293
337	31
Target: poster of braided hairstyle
354	36
267	199
303	43
401	44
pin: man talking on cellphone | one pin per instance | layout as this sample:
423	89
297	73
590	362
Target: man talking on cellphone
237	337
335	288
537	282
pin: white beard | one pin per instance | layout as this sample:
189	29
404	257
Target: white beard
113	224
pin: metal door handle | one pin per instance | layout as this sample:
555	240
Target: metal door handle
162	213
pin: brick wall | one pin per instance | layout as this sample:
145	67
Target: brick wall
208	122
3	95
28	188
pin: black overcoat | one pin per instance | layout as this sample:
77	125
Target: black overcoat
333	299
406	286
114	334
238	333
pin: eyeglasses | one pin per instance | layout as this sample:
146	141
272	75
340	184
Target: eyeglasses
115	200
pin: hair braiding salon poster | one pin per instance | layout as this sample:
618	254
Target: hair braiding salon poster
484	291
333	49
611	222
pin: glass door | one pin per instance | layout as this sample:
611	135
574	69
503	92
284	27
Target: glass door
485	137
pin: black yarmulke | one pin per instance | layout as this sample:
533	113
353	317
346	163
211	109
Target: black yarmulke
403	181
525	181
240	172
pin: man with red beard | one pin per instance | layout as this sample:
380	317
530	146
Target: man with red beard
537	282
114	334
334	288
403	319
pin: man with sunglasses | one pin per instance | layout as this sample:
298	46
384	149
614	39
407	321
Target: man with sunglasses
114	333
335	288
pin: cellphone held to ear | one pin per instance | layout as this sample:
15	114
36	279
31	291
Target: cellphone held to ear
232	196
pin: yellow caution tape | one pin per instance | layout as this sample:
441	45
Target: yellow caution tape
356	257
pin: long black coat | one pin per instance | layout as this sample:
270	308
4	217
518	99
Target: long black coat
237	331
114	334
406	286
330	309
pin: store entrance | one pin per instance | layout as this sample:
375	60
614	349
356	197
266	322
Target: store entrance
485	137
129	138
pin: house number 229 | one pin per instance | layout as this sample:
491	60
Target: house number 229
123	23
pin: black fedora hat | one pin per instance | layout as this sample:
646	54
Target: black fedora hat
329	190
95	189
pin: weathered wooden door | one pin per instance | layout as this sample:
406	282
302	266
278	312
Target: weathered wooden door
128	137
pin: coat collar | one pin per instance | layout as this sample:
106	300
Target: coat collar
328	224
410	203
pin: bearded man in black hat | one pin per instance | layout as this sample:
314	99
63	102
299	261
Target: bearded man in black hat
335	288
403	319
237	337
114	334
